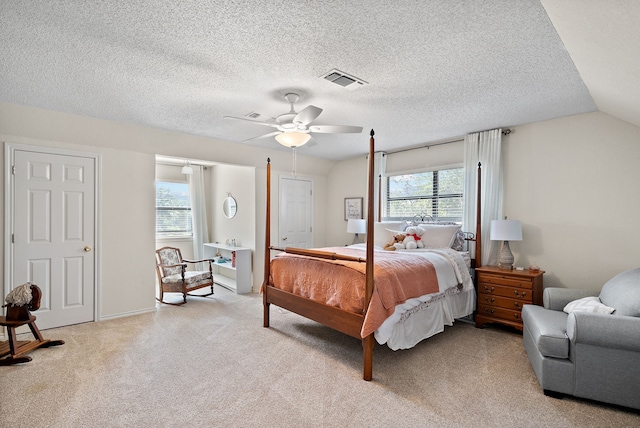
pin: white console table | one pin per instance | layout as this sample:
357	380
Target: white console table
236	278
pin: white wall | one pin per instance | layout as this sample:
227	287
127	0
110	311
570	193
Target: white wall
573	184
571	181
348	178
240	182
128	175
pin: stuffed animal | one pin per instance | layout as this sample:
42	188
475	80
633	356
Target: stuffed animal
410	241
420	231
396	244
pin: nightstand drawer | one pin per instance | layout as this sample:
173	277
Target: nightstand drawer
501	313
499	290
509	281
502	302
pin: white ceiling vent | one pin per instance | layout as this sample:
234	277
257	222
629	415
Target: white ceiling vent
343	79
257	116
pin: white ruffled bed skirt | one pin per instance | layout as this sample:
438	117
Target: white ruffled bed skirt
408	326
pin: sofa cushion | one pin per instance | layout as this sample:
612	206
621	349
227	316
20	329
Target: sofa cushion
622	292
548	329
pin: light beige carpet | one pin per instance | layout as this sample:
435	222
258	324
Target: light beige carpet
210	363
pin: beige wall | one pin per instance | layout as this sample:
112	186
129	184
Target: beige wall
571	181
573	184
127	275
349	179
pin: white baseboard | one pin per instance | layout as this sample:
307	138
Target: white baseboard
126	314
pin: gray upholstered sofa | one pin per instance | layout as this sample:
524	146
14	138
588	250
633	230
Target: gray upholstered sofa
583	353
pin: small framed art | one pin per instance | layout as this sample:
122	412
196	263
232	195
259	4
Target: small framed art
352	208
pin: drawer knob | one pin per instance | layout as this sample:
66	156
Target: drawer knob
487	289
486	299
517	304
516	316
488	310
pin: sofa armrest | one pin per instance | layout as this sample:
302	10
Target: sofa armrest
607	331
557	298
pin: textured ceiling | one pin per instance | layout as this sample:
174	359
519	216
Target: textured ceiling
435	69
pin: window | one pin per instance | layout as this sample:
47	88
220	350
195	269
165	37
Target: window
173	210
435	193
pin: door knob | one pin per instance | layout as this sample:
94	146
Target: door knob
87	248
284	238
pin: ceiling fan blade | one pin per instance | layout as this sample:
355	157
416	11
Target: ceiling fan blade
335	129
270	134
257	122
307	115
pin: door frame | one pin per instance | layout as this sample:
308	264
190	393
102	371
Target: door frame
9	202
282	177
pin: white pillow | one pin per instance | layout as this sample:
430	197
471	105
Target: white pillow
439	235
588	304
383	232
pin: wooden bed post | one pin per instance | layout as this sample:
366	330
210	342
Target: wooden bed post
368	342
267	250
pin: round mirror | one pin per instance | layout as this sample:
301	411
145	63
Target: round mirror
229	207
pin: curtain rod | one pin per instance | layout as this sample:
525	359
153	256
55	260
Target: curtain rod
181	164
504	132
422	147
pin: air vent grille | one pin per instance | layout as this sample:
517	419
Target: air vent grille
343	79
258	117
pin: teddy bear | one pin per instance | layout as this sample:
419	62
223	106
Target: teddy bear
396	244
412	239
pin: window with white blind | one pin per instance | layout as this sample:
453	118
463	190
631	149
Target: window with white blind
438	194
173	210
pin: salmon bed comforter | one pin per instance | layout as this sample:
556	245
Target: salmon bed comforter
398	276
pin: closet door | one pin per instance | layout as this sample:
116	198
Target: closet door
296	208
54	234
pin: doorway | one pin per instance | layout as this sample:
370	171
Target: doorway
51	219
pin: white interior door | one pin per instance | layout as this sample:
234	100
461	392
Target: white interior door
54	234
295	216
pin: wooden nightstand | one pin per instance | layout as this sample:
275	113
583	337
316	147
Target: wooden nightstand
501	294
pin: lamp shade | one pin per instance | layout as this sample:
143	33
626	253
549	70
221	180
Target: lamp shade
506	230
356	226
293	139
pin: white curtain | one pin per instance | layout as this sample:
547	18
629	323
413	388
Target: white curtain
484	147
198	213
379	195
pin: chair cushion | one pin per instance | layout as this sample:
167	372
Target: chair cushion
622	292
548	329
169	256
190	277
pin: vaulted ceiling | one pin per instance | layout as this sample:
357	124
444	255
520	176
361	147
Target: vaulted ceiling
430	70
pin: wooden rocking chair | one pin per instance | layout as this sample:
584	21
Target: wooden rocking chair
17	316
173	276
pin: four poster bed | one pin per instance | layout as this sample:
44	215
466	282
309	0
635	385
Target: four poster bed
395	297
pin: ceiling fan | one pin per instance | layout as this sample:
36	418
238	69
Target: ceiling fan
293	128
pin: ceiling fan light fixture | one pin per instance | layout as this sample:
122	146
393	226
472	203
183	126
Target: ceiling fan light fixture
293	139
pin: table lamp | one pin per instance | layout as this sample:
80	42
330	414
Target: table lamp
356	226
505	231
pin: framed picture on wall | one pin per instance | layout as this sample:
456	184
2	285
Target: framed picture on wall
352	208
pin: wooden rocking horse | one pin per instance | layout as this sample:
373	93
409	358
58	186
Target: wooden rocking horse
20	302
